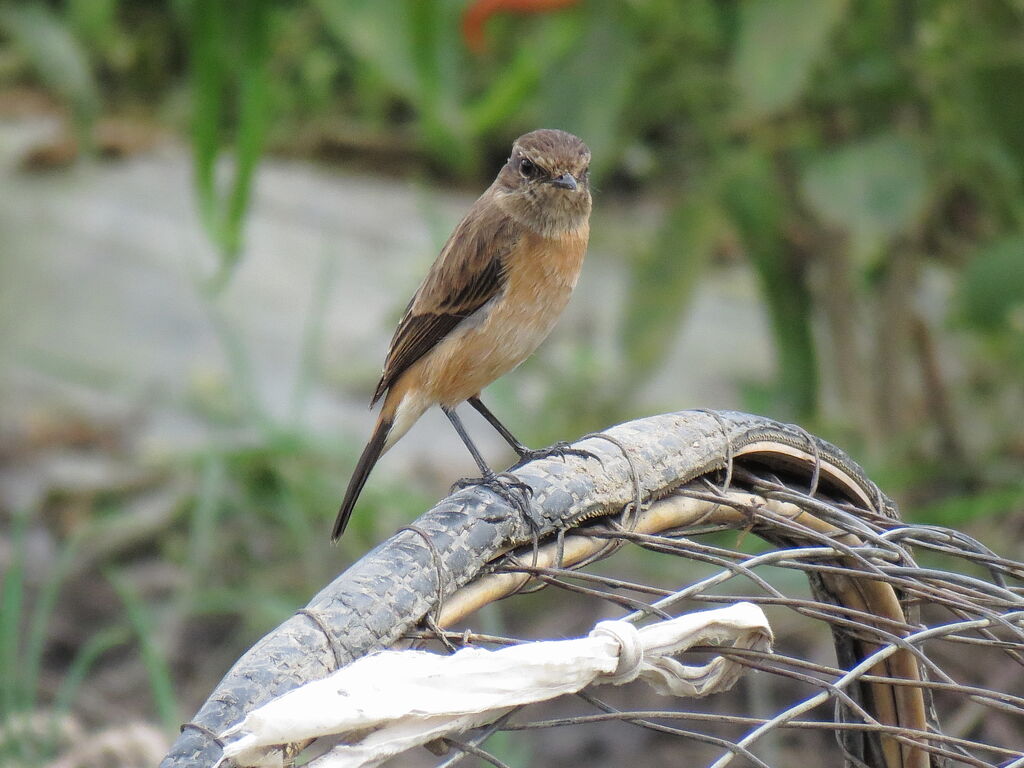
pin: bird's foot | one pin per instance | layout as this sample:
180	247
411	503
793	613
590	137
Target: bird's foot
507	486
560	449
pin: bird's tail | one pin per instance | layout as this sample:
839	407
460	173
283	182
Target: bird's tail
402	407
377	445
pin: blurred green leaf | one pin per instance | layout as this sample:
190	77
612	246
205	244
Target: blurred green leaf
513	87
586	93
254	27
663	278
957	511
992	292
780	41
755	198
208	77
214	68
93	20
874	190
1001	88
63	65
380	34
441	90
414	49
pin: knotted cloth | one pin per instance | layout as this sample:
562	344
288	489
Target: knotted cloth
388	702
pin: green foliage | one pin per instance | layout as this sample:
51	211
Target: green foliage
146	635
992	298
57	56
757	201
664	276
998	88
95	23
874	189
411	52
587	91
23	636
408	47
844	149
92	650
772	124
230	55
993	286
958	511
780	44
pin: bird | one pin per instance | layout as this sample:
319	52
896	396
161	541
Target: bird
493	294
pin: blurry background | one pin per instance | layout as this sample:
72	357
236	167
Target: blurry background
212	213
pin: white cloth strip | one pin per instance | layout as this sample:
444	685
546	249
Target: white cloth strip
391	701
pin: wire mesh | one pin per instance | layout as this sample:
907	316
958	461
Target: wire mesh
925	622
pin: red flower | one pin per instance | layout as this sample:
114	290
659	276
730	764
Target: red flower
479	11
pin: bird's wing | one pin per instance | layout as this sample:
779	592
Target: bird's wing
467	274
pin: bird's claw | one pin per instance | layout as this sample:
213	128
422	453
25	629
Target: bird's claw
494	481
510	481
507	486
560	449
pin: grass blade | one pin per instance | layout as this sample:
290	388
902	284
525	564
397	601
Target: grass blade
213	71
94	648
35	643
13	591
253	111
207	30
159	673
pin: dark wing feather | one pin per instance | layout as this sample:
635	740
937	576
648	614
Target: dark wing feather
467	274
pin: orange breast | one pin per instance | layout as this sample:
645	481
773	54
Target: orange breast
542	273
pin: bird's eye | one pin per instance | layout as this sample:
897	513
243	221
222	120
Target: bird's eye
528	168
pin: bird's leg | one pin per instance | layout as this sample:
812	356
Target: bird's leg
509	438
504	485
560	448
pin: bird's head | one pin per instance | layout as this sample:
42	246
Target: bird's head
545	184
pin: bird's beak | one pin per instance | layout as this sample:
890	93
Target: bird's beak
565	181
